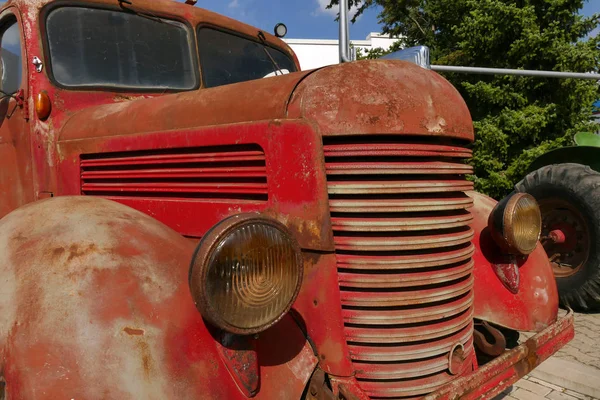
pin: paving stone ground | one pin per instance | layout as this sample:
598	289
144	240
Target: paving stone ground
583	349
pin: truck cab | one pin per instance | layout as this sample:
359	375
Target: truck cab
186	214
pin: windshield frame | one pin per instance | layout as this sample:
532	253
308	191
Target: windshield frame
193	47
255	39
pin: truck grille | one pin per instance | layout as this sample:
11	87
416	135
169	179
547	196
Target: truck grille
236	172
403	244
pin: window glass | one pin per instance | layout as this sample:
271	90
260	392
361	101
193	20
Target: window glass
11	59
93	47
227	58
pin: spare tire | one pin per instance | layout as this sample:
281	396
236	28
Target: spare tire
569	198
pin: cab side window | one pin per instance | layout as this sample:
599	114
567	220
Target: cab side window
10	57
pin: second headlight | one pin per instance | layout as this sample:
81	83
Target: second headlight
246	273
516	223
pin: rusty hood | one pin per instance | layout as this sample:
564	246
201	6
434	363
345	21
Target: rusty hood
381	97
258	100
366	97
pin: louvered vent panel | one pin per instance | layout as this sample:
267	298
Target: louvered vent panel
403	244
224	172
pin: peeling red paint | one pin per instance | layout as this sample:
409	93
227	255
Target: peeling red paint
133	331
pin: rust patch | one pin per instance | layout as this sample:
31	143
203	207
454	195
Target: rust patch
133	331
147	361
77	251
57	252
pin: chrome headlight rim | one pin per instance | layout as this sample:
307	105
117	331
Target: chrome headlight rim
200	268
502	224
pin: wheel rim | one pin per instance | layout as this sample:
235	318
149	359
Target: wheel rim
568	257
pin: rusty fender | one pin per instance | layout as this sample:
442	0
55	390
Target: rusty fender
533	304
95	303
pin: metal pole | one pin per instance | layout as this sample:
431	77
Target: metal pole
517	72
344	35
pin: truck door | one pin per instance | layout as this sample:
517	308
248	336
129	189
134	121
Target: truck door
16	185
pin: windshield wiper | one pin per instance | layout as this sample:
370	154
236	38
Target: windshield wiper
143	13
263	41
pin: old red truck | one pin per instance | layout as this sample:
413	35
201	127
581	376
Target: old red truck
175	226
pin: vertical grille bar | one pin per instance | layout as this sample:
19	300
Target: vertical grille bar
401	228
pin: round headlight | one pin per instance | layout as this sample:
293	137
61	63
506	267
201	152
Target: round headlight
246	273
516	223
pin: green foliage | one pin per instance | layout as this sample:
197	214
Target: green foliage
516	118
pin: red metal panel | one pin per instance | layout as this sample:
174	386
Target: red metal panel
89	293
535	305
187	173
297	200
319	309
96	300
403	244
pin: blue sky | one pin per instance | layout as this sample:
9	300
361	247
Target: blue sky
304	18
307	18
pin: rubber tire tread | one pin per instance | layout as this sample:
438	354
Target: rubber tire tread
580	185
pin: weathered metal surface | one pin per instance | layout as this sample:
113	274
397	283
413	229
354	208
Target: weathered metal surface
318	308
381	97
240	356
317	387
286	361
87	306
508	273
230	172
531	309
98	111
479	336
16	178
491	379
405	273
297	199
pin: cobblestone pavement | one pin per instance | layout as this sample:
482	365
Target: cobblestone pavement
583	349
530	388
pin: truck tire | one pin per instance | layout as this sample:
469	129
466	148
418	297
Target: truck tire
569	198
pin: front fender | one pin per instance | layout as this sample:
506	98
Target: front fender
94	303
535	305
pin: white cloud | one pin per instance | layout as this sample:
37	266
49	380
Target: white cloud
323	10
234	4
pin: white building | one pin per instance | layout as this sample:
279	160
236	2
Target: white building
315	53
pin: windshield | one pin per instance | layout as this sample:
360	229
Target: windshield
227	58
105	48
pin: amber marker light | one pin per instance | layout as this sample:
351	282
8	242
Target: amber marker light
516	223
43	106
246	273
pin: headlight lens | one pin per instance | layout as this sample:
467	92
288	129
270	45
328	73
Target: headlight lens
246	274
516	223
